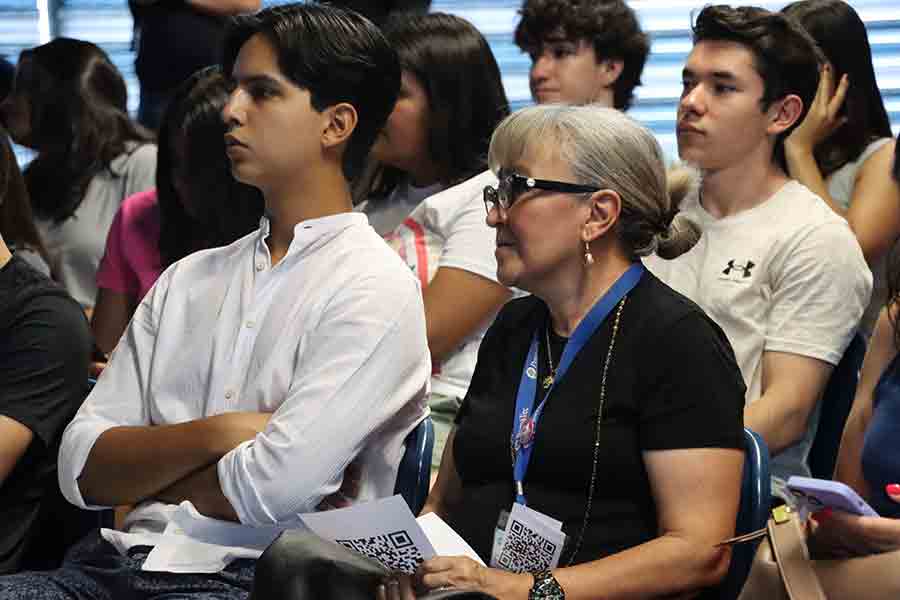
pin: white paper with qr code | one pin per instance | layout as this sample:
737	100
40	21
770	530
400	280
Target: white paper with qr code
384	530
532	542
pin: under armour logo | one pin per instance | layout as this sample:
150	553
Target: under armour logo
739	268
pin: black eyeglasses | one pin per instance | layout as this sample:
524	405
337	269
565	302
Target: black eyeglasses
512	185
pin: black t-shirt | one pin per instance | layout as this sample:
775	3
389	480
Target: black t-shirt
7	75
174	41
45	347
673	383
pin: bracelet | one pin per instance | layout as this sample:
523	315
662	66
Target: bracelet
546	587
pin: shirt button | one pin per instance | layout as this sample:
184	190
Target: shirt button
229	394
250	324
260	266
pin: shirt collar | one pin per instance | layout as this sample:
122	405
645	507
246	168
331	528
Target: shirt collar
312	233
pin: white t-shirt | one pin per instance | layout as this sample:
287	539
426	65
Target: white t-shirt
76	245
449	230
386	214
785	276
840	187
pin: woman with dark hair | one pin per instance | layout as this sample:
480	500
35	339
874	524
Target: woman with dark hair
45	345
869	463
197	204
842	150
451	99
16	223
69	104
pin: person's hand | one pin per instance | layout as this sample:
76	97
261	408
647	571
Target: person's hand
348	492
822	119
836	534
893	491
399	587
463	573
457	572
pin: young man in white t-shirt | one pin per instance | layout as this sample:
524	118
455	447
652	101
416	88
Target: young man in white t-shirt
775	267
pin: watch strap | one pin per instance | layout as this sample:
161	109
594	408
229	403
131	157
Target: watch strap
545	587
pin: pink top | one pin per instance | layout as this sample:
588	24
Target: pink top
131	263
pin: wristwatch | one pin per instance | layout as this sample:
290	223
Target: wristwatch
546	587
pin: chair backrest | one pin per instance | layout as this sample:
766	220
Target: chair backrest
414	474
753	512
837	399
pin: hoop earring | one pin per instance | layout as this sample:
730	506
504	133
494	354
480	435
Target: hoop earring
588	257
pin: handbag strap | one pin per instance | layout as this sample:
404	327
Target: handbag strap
789	548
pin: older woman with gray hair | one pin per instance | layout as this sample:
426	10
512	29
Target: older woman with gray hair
604	404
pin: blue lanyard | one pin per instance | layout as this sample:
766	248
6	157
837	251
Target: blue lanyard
525	421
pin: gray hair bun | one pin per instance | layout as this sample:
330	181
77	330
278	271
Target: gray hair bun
678	234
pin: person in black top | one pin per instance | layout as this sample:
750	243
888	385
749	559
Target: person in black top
173	39
7	76
381	11
45	347
638	447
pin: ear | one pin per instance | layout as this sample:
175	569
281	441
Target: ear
611	69
340	121
784	113
605	207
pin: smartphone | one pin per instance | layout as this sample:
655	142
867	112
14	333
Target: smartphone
818	494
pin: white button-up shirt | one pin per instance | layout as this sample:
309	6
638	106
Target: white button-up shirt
331	341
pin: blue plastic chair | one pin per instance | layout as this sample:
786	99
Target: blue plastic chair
837	399
414	474
753	512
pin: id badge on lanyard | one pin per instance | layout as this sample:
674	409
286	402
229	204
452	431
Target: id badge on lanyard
526	421
525	539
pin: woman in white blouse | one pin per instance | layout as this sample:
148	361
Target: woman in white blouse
69	104
451	99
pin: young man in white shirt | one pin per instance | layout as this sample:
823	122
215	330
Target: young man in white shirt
777	270
252	375
582	51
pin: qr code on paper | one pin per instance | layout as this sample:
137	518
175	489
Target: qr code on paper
525	550
396	551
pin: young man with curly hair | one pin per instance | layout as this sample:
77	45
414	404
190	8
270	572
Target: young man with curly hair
582	51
